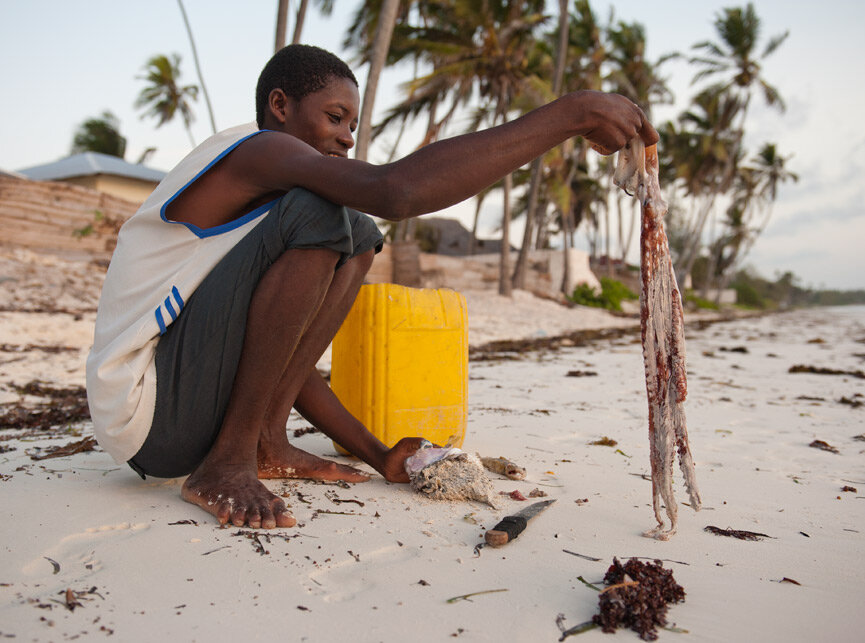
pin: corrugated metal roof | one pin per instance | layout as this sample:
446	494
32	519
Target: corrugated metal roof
89	164
12	173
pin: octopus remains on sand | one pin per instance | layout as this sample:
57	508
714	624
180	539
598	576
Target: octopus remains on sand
445	473
663	338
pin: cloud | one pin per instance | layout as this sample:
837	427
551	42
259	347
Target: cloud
827	253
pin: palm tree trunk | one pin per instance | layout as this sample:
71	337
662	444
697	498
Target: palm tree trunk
607	235
519	279
567	243
197	68
281	21
505	261
693	242
189	134
380	47
479	200
631	225
298	21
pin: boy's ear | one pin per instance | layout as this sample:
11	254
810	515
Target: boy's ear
279	105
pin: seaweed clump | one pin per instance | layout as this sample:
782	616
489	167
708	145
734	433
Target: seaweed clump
58	408
637	596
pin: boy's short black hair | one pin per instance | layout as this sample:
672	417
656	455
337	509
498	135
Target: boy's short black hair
298	70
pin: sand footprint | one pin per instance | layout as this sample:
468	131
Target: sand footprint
347	578
78	551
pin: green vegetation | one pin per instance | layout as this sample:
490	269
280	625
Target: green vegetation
101	134
755	292
164	97
613	292
700	302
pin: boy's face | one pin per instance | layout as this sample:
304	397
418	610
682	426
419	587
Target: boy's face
326	119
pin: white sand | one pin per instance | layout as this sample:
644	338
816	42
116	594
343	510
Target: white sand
385	570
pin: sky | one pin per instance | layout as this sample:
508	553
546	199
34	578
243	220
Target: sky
65	61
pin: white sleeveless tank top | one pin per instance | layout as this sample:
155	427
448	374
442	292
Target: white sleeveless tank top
155	268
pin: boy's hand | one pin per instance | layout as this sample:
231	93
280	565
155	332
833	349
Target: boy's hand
394	460
609	121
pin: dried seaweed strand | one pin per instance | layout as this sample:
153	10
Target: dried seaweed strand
467	597
741	534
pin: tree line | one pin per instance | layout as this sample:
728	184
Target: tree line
478	63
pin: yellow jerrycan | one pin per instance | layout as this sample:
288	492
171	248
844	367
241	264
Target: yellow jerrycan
400	363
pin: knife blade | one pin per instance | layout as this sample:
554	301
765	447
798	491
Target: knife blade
512	526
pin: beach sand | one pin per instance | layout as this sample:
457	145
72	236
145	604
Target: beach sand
378	562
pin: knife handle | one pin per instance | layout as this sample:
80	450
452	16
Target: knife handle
508	528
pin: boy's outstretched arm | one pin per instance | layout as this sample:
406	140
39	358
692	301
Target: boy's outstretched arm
448	171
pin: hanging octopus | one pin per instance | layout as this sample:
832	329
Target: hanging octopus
663	338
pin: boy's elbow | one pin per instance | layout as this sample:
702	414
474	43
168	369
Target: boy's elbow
398	202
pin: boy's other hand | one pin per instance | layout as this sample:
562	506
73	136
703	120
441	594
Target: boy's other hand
394	460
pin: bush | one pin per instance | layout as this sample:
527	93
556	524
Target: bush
613	292
700	302
748	296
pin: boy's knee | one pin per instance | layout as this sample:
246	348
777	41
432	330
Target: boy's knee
360	264
308	221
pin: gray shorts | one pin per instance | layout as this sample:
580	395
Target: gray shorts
197	357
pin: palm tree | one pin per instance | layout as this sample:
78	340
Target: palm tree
587	54
282	22
477	48
704	151
378	56
534	190
164	97
198	66
505	36
325	6
749	214
735	56
101	135
638	79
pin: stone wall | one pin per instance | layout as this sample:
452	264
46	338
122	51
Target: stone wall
80	223
481	272
60	218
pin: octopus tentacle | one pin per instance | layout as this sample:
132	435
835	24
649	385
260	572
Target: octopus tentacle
663	339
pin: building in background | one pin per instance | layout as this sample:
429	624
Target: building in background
100	172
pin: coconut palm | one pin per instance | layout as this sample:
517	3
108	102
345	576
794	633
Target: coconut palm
632	75
163	97
476	48
101	135
587	54
533	208
704	150
366	36
500	58
282	23
197	66
755	194
378	57
734	56
324	6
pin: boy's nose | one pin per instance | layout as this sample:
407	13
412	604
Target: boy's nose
346	140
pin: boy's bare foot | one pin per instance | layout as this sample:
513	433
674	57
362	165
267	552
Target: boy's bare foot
233	493
288	461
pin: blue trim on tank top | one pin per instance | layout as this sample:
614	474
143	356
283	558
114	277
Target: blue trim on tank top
203	233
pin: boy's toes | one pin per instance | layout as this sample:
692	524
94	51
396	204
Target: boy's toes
285	519
253	518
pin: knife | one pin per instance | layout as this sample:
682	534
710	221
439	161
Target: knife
512	526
